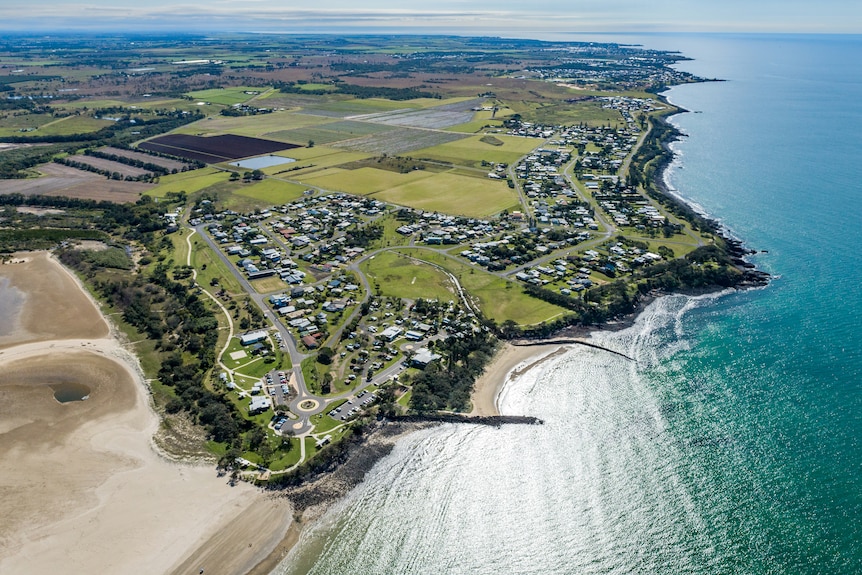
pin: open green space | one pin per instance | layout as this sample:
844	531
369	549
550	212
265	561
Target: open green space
454	194
188	182
499	299
590	113
269	192
365	181
399	276
472	151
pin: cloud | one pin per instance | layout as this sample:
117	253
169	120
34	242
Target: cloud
446	15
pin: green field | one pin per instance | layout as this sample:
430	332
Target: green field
471	151
365	181
46	125
590	113
226	96
498	298
453	194
422	189
476	126
271	192
188	182
399	276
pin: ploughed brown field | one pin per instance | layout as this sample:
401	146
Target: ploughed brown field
60	180
213	149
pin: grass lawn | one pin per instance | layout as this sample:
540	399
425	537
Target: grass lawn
499	298
202	256
267	285
453	194
188	182
475	126
471	151
399	276
366	181
269	192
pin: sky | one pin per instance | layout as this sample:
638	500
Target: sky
473	17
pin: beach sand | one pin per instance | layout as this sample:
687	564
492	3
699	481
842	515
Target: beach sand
82	489
510	362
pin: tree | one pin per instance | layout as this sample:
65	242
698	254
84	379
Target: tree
266	452
256	437
311	143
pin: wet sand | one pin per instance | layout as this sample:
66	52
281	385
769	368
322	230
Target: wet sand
83	489
510	362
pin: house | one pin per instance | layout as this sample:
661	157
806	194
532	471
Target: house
310	342
252	337
258	404
423	357
390	333
413	335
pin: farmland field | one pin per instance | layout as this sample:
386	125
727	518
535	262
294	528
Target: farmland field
337	108
399	141
330	132
109	165
46	125
188	182
471	151
226	96
436	117
166	163
213	149
59	180
254	126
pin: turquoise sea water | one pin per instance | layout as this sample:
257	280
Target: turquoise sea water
732	444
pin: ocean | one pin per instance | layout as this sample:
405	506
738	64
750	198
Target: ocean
732	442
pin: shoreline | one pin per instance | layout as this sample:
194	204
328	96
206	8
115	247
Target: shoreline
86	489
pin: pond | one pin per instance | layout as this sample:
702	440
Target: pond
261	162
11	300
68	391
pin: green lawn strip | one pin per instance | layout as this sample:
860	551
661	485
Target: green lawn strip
284	459
404	400
399	276
323	423
209	266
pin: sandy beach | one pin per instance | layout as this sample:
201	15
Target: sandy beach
83	489
510	362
